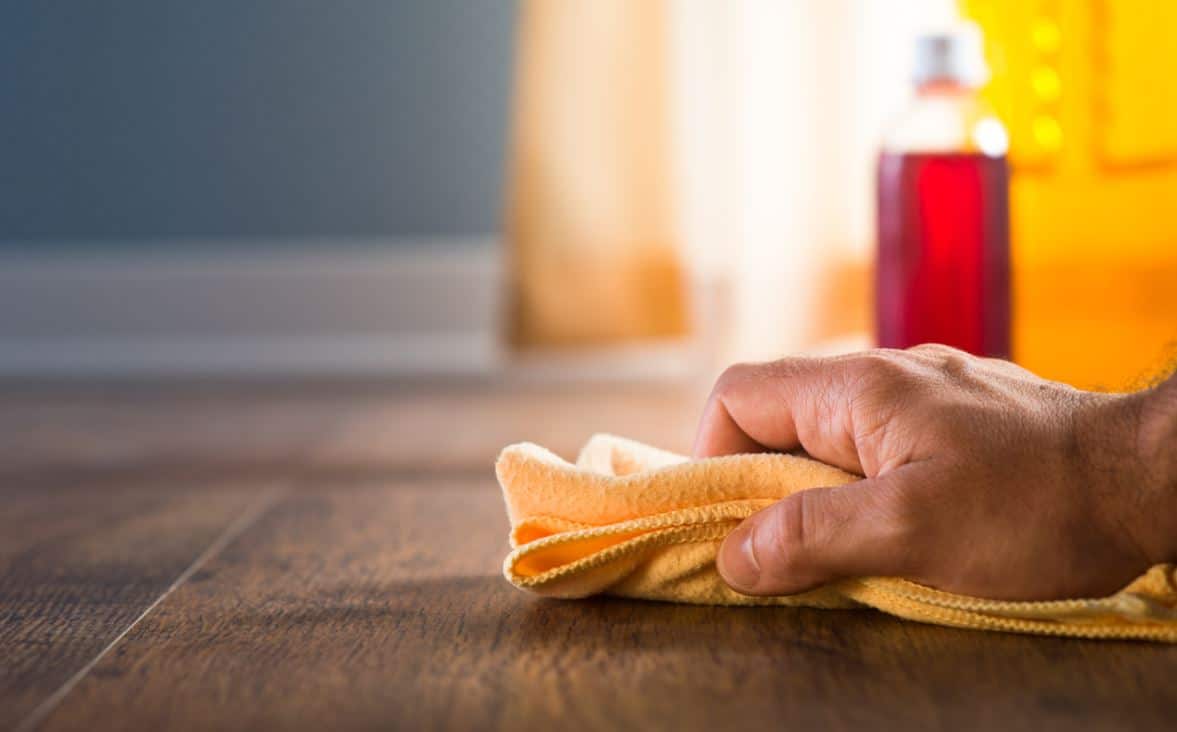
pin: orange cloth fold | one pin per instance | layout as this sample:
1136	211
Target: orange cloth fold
634	521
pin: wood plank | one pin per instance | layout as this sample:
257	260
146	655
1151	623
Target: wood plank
81	559
464	429
96	427
370	604
321	425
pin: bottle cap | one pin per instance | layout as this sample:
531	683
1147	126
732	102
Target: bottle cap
954	56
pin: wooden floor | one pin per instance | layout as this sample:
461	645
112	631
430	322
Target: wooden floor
327	557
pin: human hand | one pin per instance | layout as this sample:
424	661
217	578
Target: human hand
980	478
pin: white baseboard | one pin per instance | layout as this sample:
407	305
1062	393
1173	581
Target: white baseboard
428	306
456	354
383	308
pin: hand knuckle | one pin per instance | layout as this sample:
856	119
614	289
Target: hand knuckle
958	365
733	375
881	374
933	349
792	366
785	535
802	523
951	362
725	385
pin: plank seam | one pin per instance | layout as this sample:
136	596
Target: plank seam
239	525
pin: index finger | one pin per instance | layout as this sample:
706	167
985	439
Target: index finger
780	406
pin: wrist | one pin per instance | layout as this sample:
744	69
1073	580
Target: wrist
1156	443
1132	442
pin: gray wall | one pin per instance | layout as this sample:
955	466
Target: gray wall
148	119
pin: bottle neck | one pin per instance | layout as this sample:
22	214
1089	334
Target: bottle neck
947	115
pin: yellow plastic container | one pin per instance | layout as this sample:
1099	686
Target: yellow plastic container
1088	89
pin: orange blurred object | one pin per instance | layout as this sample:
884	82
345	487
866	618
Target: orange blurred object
594	257
1087	89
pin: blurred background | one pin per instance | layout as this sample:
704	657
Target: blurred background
549	190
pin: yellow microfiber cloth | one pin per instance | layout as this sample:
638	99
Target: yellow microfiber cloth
634	521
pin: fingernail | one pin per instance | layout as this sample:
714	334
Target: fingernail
737	558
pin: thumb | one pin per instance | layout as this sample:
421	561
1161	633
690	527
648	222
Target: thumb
815	537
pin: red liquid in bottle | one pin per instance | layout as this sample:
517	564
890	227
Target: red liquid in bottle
943	267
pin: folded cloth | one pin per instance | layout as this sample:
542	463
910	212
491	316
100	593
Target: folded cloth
634	521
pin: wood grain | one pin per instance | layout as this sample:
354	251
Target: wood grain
379	605
320	426
370	595
79	561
